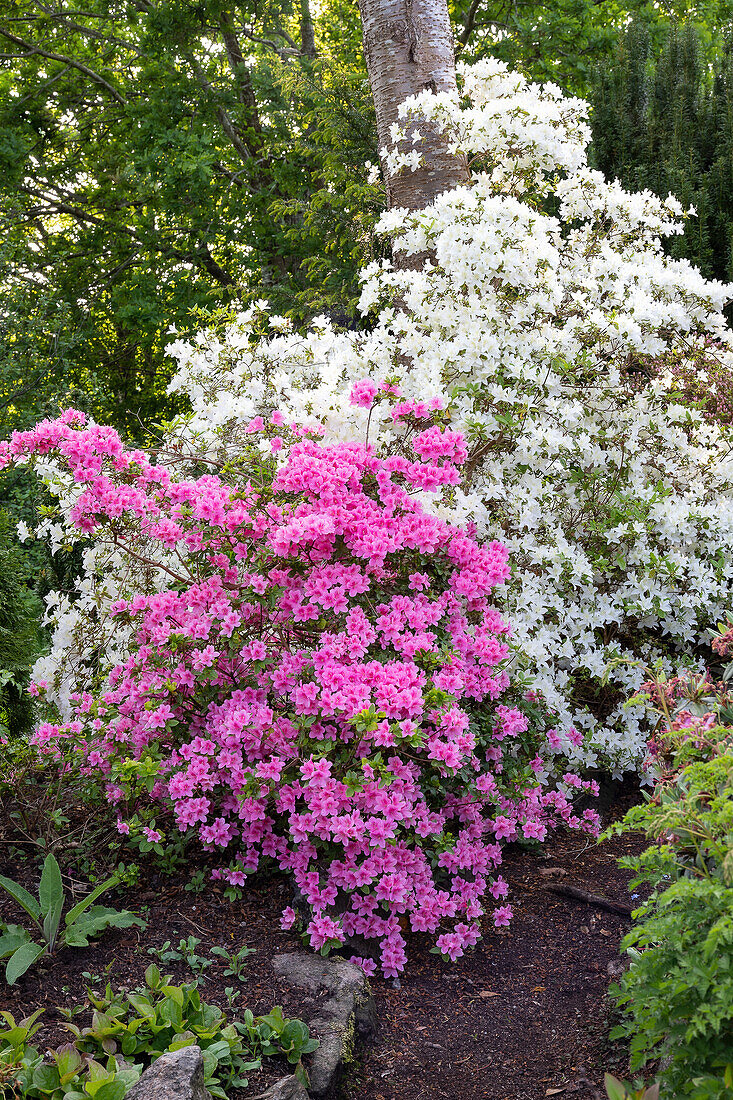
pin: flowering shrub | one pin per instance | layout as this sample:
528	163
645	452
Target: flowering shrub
614	499
299	646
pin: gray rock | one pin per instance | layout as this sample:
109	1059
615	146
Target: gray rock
178	1075
287	1088
348	1014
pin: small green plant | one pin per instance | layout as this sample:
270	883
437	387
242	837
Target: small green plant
235	960
278	1035
185	952
620	1090
198	883
67	1074
98	980
166	1017
128	874
676	999
161	1017
82	921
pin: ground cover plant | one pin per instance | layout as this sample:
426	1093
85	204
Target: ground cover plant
128	1031
81	922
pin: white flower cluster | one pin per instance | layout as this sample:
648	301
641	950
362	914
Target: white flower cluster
545	290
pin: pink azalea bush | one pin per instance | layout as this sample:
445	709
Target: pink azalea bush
312	674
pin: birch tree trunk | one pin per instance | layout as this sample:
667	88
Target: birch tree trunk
408	46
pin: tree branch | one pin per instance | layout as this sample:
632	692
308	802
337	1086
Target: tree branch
200	256
70	61
221	114
238	65
281	52
469	23
204	259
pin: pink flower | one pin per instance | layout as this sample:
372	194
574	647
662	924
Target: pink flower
322	930
363	393
367	965
303	692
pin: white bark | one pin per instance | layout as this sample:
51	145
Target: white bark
409	47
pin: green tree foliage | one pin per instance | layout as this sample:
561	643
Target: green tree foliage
159	156
19	637
666	123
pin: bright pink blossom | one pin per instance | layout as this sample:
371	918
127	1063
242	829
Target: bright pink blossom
322	684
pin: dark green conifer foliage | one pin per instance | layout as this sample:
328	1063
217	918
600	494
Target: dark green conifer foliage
665	123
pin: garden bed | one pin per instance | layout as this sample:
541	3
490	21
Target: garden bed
525	1013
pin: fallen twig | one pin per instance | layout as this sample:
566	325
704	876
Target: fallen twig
590	899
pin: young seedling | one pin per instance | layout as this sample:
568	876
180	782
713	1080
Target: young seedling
186	950
235	960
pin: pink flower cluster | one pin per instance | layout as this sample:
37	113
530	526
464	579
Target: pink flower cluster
308	684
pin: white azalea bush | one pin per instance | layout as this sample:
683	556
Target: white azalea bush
545	291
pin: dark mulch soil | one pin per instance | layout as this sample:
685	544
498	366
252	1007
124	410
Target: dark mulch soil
523	1017
526	1015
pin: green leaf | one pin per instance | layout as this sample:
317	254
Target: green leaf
141	1004
51	923
109	1090
90	924
185	1039
68	1061
24	899
13	938
50	889
174	992
46	1078
152	976
170	1011
22	959
614	1088
79	908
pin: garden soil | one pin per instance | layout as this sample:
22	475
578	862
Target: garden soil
523	1017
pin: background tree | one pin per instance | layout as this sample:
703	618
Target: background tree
666	123
565	40
158	157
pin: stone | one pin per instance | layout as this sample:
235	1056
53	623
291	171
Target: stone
348	1014
287	1088
177	1075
